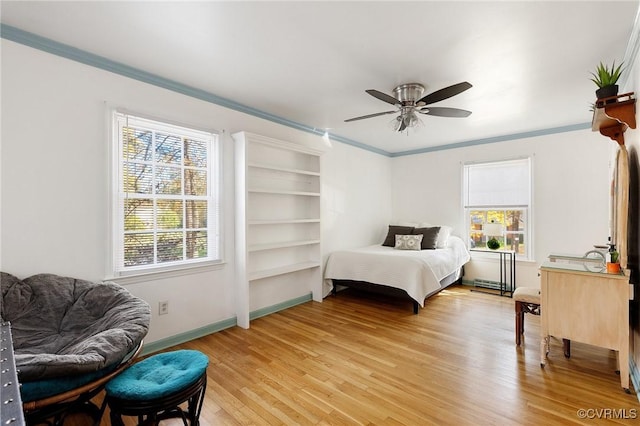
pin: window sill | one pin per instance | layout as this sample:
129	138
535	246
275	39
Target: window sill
147	276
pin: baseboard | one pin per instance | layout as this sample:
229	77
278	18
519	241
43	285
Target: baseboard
279	306
178	339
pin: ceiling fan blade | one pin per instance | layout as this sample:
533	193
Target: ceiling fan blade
370	115
442	94
445	112
383	96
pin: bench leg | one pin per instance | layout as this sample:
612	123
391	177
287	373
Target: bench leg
519	323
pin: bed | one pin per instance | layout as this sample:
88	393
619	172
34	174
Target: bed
385	269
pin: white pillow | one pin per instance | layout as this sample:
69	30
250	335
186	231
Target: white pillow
408	242
443	235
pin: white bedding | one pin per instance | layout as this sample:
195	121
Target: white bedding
417	272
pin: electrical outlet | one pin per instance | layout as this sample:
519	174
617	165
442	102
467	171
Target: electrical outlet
163	308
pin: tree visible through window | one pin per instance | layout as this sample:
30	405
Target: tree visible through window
514	222
167	210
499	192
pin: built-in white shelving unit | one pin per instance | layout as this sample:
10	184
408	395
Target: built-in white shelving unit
277	222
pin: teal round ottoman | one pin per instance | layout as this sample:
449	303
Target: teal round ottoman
154	388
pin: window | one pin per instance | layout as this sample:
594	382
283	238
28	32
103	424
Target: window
166	203
499	192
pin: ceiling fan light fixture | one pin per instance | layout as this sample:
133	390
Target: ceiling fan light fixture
409	101
395	124
406	120
412	120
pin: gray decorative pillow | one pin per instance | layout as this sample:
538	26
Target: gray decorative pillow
429	237
408	242
394	230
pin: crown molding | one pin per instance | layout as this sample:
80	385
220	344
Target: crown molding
44	44
494	139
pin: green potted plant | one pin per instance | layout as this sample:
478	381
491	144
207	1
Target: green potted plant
606	78
613	266
493	243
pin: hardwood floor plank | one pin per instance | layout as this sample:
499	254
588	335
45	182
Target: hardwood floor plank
361	359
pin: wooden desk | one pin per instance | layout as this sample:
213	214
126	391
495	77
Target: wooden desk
588	307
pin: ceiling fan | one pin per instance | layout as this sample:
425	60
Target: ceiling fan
409	101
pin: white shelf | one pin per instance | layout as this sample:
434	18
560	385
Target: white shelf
285	244
282	222
266	273
277	198
282	192
284	169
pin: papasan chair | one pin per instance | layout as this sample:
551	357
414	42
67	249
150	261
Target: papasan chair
70	337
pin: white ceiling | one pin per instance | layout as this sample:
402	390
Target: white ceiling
311	62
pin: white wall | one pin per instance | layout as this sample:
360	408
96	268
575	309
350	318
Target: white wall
571	193
54	181
356	194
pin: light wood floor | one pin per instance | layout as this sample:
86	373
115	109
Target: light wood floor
359	359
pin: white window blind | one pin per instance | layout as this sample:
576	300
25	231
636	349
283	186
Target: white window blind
499	193
166	203
504	183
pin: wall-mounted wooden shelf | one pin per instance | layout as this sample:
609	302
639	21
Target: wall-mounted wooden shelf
612	116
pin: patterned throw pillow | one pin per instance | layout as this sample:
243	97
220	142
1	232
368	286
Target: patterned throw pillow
408	242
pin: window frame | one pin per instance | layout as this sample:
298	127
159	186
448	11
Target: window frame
527	208
116	268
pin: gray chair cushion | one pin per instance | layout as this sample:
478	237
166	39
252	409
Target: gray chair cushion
64	326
